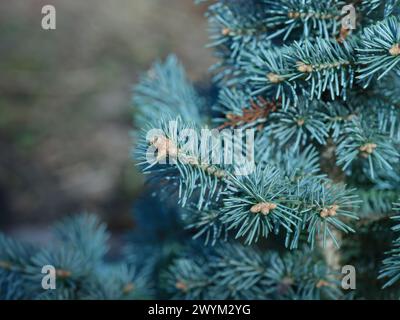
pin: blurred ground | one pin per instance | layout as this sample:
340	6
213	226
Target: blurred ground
65	99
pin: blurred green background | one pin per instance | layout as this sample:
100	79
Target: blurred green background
65	102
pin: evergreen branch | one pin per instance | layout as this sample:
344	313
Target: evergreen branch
310	18
315	67
119	282
14	259
371	6
379	50
325	66
78	259
253	207
84	233
239	112
336	117
294	163
207	224
391	265
265	202
189	165
268	72
165	90
235	26
188	279
363	143
235	23
237	272
299	277
376	202
297	126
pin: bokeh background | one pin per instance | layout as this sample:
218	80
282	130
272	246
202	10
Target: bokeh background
65	103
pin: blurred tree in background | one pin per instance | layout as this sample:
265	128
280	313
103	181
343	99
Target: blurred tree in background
65	100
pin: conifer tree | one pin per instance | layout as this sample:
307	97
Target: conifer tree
321	98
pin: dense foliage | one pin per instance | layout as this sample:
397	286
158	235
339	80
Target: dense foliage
323	102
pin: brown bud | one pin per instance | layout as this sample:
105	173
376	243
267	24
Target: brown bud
329	211
322	283
255	208
225	31
300	122
219	173
293	15
324	213
128	288
63	273
305	68
5	265
274	78
181	285
368	148
263	207
395	50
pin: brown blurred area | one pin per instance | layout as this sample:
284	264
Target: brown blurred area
65	101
